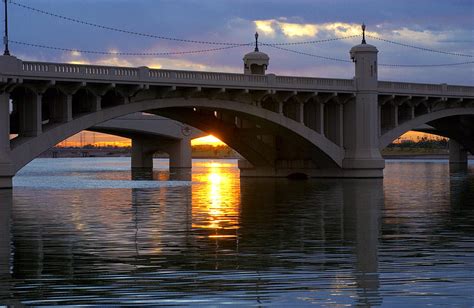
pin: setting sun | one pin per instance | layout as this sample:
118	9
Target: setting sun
208	140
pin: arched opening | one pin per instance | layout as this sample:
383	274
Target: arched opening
333	122
312	115
266	142
270	104
420	110
112	98
263	142
83	102
291	109
26	116
54	108
404	113
425	142
212	147
388	117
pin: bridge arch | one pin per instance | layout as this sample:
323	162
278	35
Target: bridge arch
24	150
427	118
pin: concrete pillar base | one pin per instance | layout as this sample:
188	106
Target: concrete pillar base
180	154
6	182
457	154
142	154
247	170
455	168
142	174
180	174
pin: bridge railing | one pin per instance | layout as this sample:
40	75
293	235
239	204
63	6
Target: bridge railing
144	74
423	88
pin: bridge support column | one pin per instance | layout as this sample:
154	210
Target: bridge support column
362	157
29	109
6	165
142	154
62	112
180	154
457	153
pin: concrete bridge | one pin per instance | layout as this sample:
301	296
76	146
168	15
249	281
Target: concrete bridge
281	125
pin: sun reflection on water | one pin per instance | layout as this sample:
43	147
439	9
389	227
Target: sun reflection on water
215	201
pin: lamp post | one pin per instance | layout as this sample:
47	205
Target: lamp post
5	38
363	34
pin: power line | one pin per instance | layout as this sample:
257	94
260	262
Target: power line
169	38
306	54
122	30
381	64
425	65
231	47
99	52
229	43
313	41
421	48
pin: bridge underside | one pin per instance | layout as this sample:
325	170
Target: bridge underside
269	149
460	131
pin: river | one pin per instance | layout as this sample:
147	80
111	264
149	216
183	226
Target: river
80	231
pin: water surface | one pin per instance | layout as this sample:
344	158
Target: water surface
81	231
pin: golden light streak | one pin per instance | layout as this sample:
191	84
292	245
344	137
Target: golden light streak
216	201
208	140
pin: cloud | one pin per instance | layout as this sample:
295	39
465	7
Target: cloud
75	53
153	63
425	36
298	30
265	26
290	30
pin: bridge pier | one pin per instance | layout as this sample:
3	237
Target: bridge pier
361	118
142	153
457	154
6	165
305	168
179	152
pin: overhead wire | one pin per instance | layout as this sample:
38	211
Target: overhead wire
230	45
123	30
99	52
420	48
312	41
425	65
306	54
380	64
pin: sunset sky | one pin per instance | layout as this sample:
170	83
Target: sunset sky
439	25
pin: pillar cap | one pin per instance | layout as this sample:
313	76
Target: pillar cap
364	48
257	57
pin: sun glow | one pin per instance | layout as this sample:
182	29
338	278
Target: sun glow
215	201
208	140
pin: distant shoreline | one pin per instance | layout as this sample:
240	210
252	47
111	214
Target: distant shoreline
118	152
421	156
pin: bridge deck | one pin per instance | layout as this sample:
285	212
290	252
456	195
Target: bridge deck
146	76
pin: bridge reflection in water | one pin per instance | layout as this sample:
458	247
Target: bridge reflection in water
248	241
321	234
